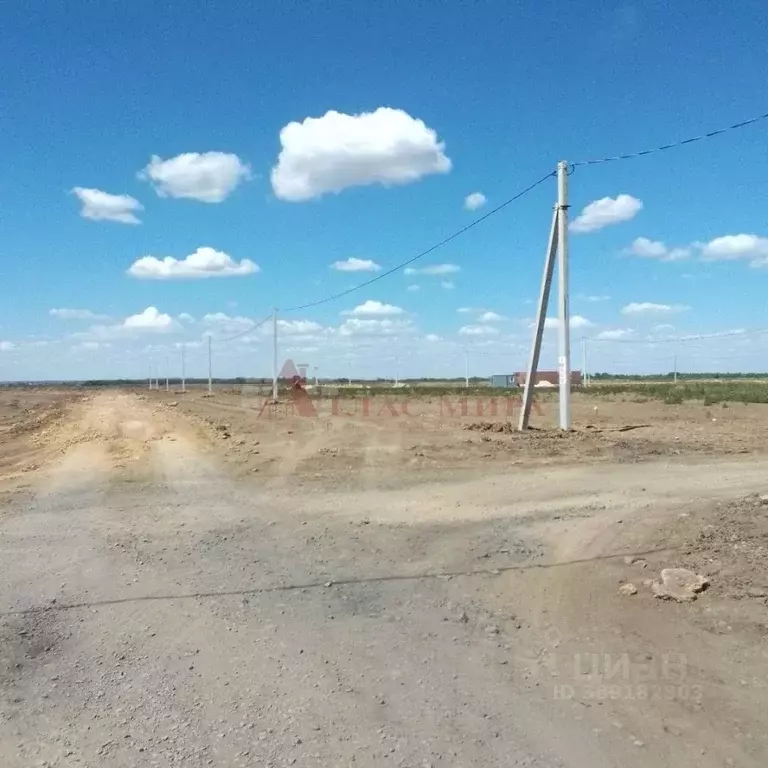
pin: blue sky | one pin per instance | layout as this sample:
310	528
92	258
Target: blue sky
429	103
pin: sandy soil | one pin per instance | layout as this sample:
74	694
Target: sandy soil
194	584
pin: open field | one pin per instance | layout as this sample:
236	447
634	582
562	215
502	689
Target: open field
708	391
382	440
25	416
196	581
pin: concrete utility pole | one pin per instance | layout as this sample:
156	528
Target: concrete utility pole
541	316
564	360
466	369
274	354
674	363
167	367
150	375
584	375
397	370
210	369
183	370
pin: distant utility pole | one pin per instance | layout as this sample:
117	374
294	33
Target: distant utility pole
397	370
150	375
167	366
274	354
210	369
674	365
183	370
584	374
466	369
558	246
349	377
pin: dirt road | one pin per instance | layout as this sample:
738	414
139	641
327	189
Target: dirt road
157	611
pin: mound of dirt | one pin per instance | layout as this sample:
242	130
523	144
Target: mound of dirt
505	427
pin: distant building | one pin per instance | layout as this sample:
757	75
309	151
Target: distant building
503	380
548	378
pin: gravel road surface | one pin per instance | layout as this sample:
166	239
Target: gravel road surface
157	612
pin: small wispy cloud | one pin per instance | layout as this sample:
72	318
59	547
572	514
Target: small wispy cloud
434	269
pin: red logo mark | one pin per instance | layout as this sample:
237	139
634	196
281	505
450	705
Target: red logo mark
296	389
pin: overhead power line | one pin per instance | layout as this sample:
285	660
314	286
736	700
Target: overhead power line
426	252
673	144
249	329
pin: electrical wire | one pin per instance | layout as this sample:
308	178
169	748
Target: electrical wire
673	145
249	329
426	252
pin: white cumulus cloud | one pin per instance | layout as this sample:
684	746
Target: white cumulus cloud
432	337
649	308
434	269
298	327
490	317
224	323
413	288
654	249
448	285
474	201
731	247
204	262
102	206
206	176
76	314
371	308
614	334
355	265
6	346
151	319
337	151
601	213
577	321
